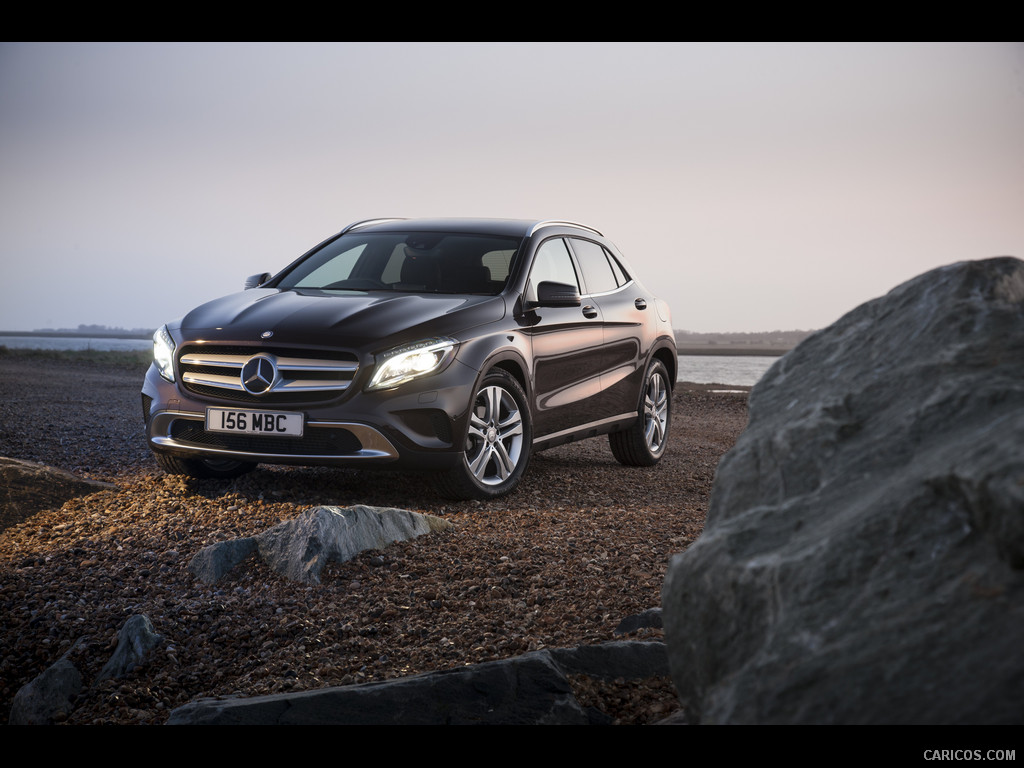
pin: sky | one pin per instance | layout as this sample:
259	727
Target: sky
755	187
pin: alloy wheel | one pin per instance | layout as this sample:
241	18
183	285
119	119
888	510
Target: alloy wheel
495	440
656	413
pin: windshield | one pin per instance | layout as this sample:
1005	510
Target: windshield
414	262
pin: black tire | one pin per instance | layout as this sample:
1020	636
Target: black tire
497	441
643	444
203	468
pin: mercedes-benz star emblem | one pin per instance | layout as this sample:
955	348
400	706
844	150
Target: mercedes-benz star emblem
259	374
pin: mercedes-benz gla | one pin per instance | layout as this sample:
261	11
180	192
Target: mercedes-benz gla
457	345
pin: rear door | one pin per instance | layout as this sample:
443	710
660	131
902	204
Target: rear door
624	309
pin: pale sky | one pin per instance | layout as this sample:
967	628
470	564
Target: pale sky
753	186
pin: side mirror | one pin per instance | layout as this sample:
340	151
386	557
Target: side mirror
552	294
256	281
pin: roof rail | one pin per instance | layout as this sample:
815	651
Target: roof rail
367	222
556	222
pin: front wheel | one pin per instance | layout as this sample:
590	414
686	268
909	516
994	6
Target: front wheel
497	441
203	468
643	444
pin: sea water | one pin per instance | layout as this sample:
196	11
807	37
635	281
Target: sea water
735	370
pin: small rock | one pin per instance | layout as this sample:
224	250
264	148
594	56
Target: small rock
136	639
27	487
212	562
299	549
48	698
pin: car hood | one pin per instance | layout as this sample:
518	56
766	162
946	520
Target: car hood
354	320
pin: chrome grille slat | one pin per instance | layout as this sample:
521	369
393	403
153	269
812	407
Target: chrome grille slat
304	385
300	364
283	363
223	361
213	380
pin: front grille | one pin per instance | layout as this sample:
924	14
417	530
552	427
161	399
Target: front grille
303	376
317	441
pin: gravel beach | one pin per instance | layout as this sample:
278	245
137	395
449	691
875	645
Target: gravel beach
582	544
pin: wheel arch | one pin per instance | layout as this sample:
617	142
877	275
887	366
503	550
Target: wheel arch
513	364
514	369
667	355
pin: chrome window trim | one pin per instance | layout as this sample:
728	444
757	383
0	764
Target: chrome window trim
369	223
561	223
622	287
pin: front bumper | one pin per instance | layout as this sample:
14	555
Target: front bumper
325	442
410	427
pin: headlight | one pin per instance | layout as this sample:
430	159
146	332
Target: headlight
402	364
163	353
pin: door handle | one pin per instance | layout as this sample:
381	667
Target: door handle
640	304
589	311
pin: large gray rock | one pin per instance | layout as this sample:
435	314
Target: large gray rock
298	549
863	553
527	690
27	487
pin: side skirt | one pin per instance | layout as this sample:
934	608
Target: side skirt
593	429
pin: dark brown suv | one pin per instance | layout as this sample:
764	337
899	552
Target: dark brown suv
456	345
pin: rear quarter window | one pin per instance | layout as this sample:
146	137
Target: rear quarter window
597	270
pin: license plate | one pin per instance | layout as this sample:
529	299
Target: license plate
275	423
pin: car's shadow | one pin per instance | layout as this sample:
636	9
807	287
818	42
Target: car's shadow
558	476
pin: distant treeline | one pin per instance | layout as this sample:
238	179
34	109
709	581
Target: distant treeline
100	330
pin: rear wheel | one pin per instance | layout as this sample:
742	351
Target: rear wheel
497	441
203	468
643	444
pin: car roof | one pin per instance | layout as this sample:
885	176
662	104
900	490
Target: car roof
508	227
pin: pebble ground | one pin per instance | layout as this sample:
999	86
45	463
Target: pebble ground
583	543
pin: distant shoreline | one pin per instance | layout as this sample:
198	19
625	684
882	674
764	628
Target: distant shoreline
72	335
731	350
